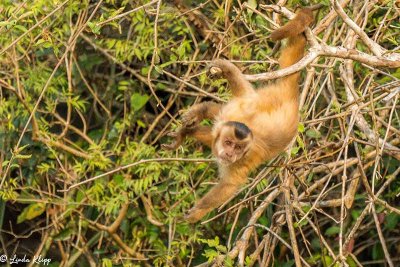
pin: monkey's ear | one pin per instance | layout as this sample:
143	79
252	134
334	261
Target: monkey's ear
217	129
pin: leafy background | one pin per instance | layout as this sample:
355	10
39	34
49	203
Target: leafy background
88	89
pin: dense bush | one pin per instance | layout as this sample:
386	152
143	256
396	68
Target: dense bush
88	90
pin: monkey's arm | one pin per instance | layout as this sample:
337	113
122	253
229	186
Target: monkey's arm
238	83
218	195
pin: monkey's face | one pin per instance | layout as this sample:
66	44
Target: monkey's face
232	142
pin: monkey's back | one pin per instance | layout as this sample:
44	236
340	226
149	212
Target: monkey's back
270	113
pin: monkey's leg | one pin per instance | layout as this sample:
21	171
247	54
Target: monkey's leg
199	112
238	83
190	124
220	193
201	133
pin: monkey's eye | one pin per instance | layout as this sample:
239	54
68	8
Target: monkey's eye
228	143
237	147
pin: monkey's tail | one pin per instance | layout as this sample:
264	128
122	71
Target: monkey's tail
294	49
296	26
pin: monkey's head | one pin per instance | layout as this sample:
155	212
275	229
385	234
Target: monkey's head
232	141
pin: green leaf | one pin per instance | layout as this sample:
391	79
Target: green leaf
355	214
32	211
123	85
391	220
300	128
305	208
313	133
228	262
294	150
23	156
106	263
20	149
64	234
299	224
21	28
118	179
351	262
5	163
141	124
253	5
94	27
325	2
336	107
247	261
328	261
333	230
210	242
377	252
79	196
138	101
300	142
289	263
5	23
210	254
144	71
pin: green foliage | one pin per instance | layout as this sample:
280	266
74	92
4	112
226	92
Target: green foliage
138	101
392	221
215	248
333	230
31	212
313	133
84	94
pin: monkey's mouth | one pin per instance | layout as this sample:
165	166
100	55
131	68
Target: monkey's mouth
225	160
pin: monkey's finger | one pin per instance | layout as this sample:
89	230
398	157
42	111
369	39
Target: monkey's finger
191	218
180	219
195	214
189	121
172	134
172	146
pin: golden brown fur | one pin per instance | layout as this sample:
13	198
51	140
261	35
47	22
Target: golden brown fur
271	114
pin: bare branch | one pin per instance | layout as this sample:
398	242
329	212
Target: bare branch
374	47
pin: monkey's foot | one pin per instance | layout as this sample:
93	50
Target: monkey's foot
190	119
215	71
171	146
195	214
174	145
221	67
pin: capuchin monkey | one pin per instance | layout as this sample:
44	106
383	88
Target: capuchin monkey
254	126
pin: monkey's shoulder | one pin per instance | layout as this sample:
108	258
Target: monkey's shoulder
253	108
240	109
268	118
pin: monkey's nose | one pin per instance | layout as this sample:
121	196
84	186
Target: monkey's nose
228	154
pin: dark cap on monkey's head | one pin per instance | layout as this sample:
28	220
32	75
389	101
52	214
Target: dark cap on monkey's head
241	130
